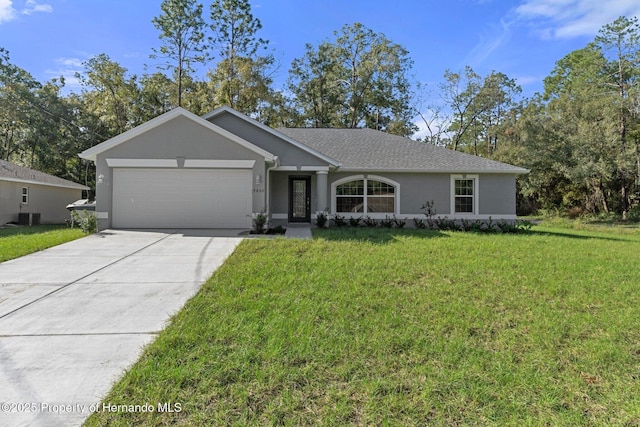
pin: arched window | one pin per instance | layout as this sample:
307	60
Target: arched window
365	195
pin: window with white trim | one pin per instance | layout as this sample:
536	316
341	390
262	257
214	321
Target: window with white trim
464	190
365	195
25	195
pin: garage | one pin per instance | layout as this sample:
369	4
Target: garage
181	198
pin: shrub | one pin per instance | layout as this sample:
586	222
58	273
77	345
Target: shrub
507	227
465	225
429	208
277	230
523	225
339	220
85	220
634	214
259	222
369	222
446	224
322	219
419	223
355	222
387	222
399	223
574	212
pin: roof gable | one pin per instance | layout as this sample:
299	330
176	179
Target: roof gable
16	173
372	150
91	153
306	148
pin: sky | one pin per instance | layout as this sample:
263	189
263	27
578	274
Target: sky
520	38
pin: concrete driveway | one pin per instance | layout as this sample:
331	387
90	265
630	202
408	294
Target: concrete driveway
74	317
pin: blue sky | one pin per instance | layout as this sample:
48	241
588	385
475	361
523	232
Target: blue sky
521	38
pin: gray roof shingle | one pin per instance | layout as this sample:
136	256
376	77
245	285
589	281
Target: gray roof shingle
369	149
12	172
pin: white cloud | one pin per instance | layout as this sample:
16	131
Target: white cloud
438	124
32	7
422	132
7	12
528	80
557	19
70	62
67	68
490	43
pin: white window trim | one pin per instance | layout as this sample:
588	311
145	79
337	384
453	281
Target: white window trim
24	195
476	193
396	186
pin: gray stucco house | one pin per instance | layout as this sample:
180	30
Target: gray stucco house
25	190
180	170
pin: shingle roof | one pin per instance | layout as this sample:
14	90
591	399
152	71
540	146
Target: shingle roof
369	149
12	172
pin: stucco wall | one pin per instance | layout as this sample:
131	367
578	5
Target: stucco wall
288	154
177	138
415	189
49	202
497	192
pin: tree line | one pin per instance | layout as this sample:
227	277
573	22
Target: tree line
580	137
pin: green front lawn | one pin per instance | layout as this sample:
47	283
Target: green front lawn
401	327
19	241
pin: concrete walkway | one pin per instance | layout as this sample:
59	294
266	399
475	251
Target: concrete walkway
298	231
74	317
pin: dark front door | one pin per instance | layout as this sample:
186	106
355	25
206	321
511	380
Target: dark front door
299	199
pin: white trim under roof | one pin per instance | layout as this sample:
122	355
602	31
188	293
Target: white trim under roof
142	163
315	168
517	171
173	163
219	110
219	164
302	169
49	184
91	153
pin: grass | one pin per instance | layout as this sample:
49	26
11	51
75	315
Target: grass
402	327
19	241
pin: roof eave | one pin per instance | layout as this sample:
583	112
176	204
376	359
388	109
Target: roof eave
447	171
91	153
72	185
332	162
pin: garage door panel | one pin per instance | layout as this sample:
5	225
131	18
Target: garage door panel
182	198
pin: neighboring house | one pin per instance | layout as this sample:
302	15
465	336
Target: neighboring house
180	170
24	190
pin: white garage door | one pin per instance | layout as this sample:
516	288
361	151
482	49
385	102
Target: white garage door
181	198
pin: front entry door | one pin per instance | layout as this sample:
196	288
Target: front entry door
299	199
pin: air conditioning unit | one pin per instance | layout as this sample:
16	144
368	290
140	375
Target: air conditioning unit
28	218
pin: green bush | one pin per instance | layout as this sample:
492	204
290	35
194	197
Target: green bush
259	222
355	222
85	221
387	222
339	220
321	219
634	214
419	223
369	222
399	223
